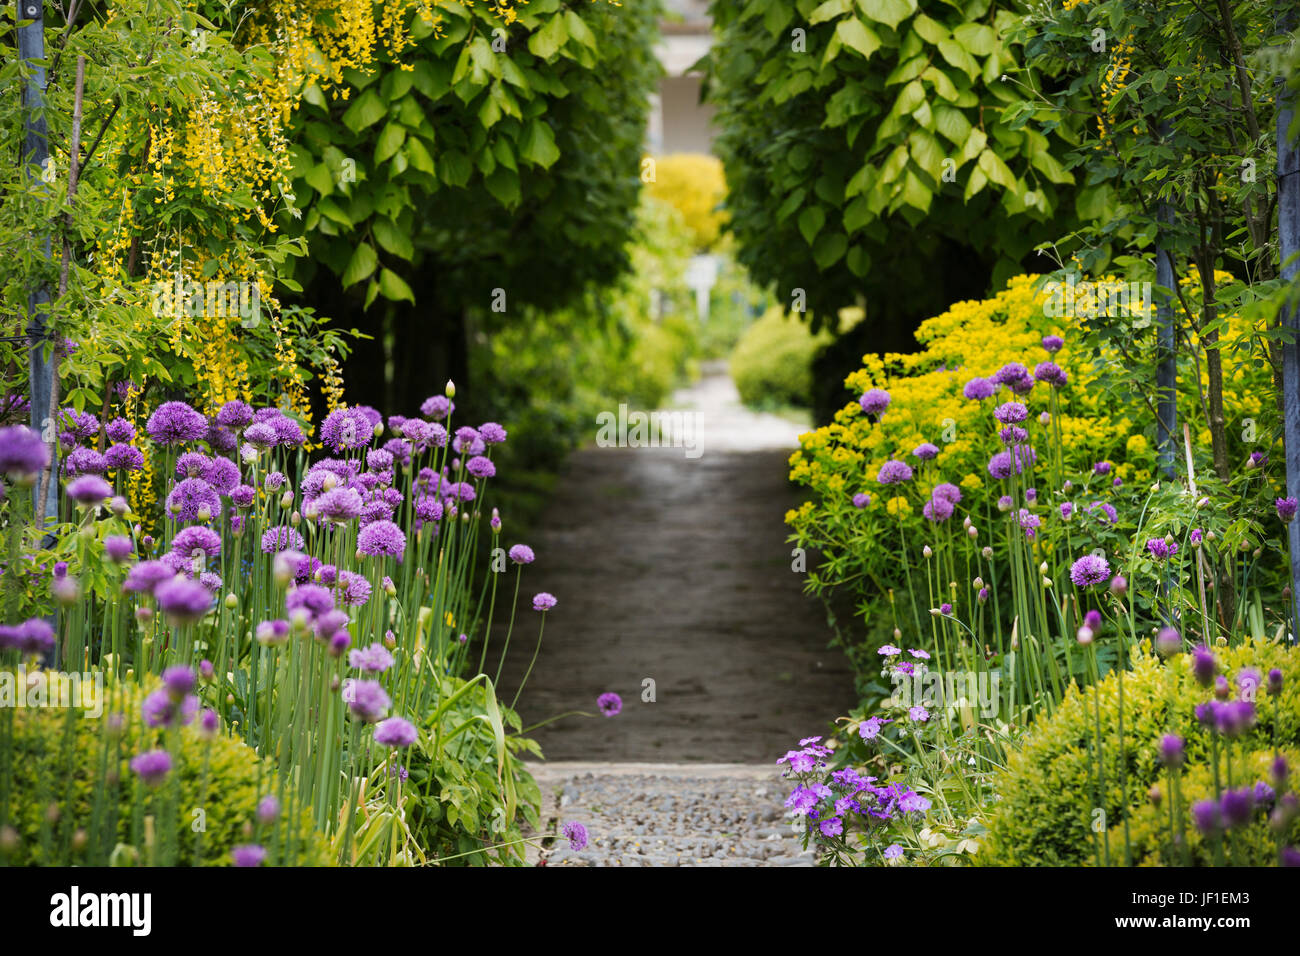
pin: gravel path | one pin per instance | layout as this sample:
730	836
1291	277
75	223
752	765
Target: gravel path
668	815
673	576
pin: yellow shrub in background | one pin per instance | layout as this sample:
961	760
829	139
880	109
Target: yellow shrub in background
693	183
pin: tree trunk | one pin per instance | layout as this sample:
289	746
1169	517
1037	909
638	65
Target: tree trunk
1288	224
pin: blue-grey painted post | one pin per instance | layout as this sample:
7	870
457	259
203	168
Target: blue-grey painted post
1288	227
31	47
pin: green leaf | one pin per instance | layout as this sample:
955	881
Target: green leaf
537	144
456	168
546	41
857	214
957	56
418	155
853	34
810	222
829	11
394	287
361	265
390	140
503	184
889	12
320	179
858	260
365	111
392	238
830	246
929	30
978	38
579	30
996	170
952	124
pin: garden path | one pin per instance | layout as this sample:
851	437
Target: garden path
675	569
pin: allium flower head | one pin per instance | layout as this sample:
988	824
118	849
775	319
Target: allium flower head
543	601
119	430
437	407
1015	377
22	453
367	700
381	538
492	433
283	538
978	389
193	498
1172	751
521	554
576	834
396	732
235	414
124	458
197	538
894	472
152	766
874	401
346	428
248	855
1203	665
1017	458
1160	549
861	500
375	659
1052	344
84	461
175	422
1286	508
182	600
610	704
1010	413
1089	570
89	490
481	467
1051	373
339	505
937	509
926	451
118	548
222	474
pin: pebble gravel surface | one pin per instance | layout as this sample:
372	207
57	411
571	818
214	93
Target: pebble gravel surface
667	815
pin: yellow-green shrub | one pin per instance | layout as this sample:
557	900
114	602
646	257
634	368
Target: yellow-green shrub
1048	795
59	755
694	185
772	362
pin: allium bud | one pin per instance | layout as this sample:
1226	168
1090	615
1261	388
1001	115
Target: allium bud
1119	585
232	602
927	552
987	553
1154	795
450	390
119	506
898	635
295	519
144	614
390	640
286	499
972	532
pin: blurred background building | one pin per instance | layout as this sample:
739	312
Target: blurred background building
679	123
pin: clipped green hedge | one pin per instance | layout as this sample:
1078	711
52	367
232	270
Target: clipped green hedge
221	776
772	362
1045	813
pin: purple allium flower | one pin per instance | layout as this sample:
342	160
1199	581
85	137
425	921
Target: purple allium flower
197	538
983	595
1196	537
274	481
1019	457
1052	344
175	422
160	709
1101	468
222	474
1029	522
1275	681
543	601
89	490
492	433
81	425
437	407
152	766
1112	516
220	439
1118	482
268	808
861	500
22	453
179	681
191	464
33	636
874	401
271	633
339	505
1168	641
1249	681
374	659
1236	806
260	435
312	598
1172	751
193	500
124	458
379	460
894	472
522	554
1160	549
118	548
119	430
1013	435
576	834
978	389
1015	377
926	451
235	414
346	428
465	438
1234	717
610	704
937	510
1286	508
381	538
283	538
209	723
182	600
243	496
396	732
366	699
1051	373
146	576
400	449
1010	413
248	855
354	590
481	467
1203	665
1089	570
84	461
948	492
